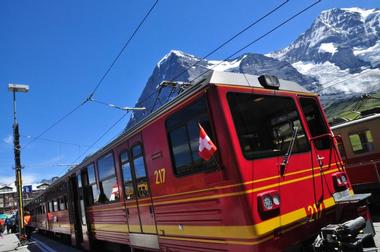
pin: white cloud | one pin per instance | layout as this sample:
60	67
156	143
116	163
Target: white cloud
8	139
27	179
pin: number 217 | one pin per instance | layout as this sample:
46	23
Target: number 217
160	176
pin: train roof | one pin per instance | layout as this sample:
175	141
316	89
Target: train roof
353	122
248	80
212	78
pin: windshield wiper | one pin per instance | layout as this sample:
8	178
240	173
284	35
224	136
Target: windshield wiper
289	152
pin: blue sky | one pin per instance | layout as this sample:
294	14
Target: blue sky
62	48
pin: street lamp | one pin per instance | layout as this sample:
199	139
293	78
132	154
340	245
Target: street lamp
17	152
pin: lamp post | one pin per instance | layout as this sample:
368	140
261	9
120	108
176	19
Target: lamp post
17	151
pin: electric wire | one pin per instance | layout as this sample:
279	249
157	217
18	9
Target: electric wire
122	49
100	80
259	38
100	137
219	47
55	124
233	37
53	141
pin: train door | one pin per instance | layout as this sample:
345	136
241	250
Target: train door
139	209
324	157
76	234
272	137
79	215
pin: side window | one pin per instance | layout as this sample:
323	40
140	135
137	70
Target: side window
50	206
315	122
361	142
55	205
93	191
62	204
183	133
140	172
127	175
107	180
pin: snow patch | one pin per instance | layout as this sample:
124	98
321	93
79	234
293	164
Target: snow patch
364	13
327	47
177	53
218	65
333	79
370	54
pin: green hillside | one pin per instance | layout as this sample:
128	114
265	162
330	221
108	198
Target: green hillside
350	108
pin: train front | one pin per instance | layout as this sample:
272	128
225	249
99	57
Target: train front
291	169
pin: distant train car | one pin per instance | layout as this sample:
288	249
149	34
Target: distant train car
275	179
360	149
50	213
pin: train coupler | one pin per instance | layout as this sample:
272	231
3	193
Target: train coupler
348	236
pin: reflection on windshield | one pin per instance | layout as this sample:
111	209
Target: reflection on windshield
315	122
264	124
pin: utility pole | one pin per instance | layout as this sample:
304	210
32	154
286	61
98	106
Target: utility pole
17	155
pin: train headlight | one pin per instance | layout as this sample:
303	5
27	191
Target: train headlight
276	199
340	181
344	179
268	201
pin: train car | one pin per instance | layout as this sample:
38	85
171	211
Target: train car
50	213
235	163
360	149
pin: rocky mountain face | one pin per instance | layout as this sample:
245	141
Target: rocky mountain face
180	66
341	44
338	56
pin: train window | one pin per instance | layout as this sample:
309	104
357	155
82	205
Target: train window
89	180
106	166
265	124
55	205
183	133
140	173
315	121
107	180
62	204
127	176
79	181
361	142
65	202
91	174
95	193
50	204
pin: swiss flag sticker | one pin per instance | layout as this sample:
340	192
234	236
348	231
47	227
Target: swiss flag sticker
206	147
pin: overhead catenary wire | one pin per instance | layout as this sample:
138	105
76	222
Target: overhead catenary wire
256	40
233	37
55	123
54	141
259	38
100	80
123	49
215	50
100	137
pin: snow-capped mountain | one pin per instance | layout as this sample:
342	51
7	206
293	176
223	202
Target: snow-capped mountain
341	49
338	56
180	66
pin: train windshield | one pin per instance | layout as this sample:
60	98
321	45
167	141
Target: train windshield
265	124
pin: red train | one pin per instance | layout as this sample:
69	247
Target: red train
274	181
360	149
